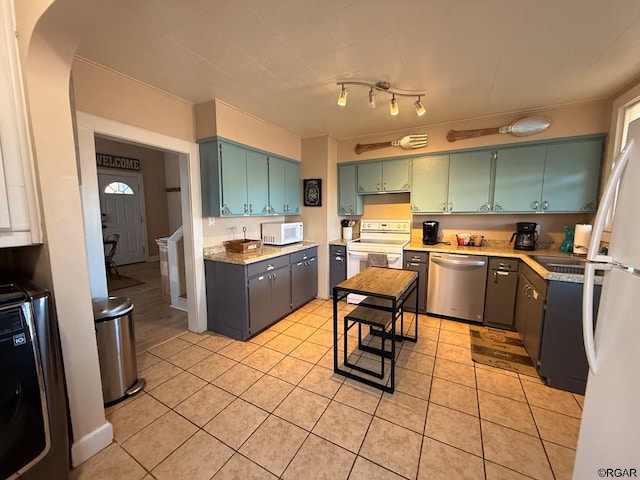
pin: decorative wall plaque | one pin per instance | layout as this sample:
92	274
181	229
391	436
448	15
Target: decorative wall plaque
312	192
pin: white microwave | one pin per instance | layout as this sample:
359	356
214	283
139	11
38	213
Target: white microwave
281	233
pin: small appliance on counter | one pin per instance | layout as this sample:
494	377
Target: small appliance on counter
281	233
526	237
430	232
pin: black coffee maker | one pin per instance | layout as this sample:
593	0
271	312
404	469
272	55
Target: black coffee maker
430	232
526	237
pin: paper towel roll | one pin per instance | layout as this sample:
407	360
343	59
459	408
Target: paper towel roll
581	239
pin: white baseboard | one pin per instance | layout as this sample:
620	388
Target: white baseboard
91	444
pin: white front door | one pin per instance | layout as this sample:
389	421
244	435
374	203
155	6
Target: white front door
120	205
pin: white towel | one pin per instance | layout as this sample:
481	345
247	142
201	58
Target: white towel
378	260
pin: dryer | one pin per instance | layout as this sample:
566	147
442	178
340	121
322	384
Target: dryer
34	423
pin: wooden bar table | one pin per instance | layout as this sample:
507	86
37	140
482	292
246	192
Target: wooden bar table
386	290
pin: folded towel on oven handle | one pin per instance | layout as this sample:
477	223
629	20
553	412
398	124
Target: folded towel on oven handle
378	260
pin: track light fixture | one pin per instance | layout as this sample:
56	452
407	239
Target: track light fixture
342	98
386	88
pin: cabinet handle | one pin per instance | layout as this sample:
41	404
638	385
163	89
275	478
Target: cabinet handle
245	208
415	259
251	208
545	205
451	207
497	207
384	185
495	277
444	207
535	205
339	259
378	187
351	208
270	267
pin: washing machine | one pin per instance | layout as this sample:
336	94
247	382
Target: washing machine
34	424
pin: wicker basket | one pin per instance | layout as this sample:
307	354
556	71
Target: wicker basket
242	246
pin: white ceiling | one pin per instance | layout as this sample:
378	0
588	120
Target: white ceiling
279	60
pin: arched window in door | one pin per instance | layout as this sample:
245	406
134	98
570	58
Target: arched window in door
118	188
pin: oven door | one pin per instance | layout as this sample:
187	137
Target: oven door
358	261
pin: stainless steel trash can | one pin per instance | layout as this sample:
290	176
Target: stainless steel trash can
116	348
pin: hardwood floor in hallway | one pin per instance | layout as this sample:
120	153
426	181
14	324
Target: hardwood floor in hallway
155	320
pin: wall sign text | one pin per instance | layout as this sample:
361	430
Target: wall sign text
112	161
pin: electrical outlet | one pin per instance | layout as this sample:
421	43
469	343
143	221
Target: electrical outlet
212	221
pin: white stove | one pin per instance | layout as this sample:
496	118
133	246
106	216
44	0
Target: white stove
377	237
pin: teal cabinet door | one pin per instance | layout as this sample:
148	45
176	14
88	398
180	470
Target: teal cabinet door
233	176
429	184
518	181
292	187
257	183
572	176
349	202
284	187
369	177
469	182
277	187
395	175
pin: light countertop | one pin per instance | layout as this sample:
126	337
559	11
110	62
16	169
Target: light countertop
504	249
218	254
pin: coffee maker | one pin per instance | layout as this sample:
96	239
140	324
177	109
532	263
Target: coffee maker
525	236
430	232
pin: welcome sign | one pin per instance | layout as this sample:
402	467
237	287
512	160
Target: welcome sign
123	163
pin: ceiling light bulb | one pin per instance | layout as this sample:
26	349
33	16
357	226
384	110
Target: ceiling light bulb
372	99
342	98
420	110
393	106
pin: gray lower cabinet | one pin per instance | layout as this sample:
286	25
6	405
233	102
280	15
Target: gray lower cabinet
337	265
269	297
418	262
530	309
563	361
304	277
500	300
243	299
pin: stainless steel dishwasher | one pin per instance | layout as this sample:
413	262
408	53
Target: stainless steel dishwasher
457	285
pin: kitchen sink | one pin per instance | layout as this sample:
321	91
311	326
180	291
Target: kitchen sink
570	265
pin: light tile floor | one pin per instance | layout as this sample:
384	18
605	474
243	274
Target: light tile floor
216	408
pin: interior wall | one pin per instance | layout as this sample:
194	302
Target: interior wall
108	94
48	35
152	168
566	121
172	177
318	156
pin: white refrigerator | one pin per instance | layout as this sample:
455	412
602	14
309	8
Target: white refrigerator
609	440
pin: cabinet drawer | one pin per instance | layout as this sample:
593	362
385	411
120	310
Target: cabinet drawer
303	255
415	256
337	250
267	265
508	264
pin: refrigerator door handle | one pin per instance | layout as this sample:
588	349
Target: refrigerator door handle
606	203
588	333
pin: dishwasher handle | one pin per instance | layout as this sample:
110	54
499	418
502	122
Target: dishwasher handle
457	263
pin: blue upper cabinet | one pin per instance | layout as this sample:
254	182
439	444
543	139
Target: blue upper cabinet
519	174
349	202
386	176
284	186
572	176
469	182
430	182
236	180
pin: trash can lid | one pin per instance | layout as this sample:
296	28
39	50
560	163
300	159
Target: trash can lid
104	308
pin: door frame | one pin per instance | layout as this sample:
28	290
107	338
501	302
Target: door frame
143	210
88	126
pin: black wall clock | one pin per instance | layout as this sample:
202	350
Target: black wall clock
312	192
